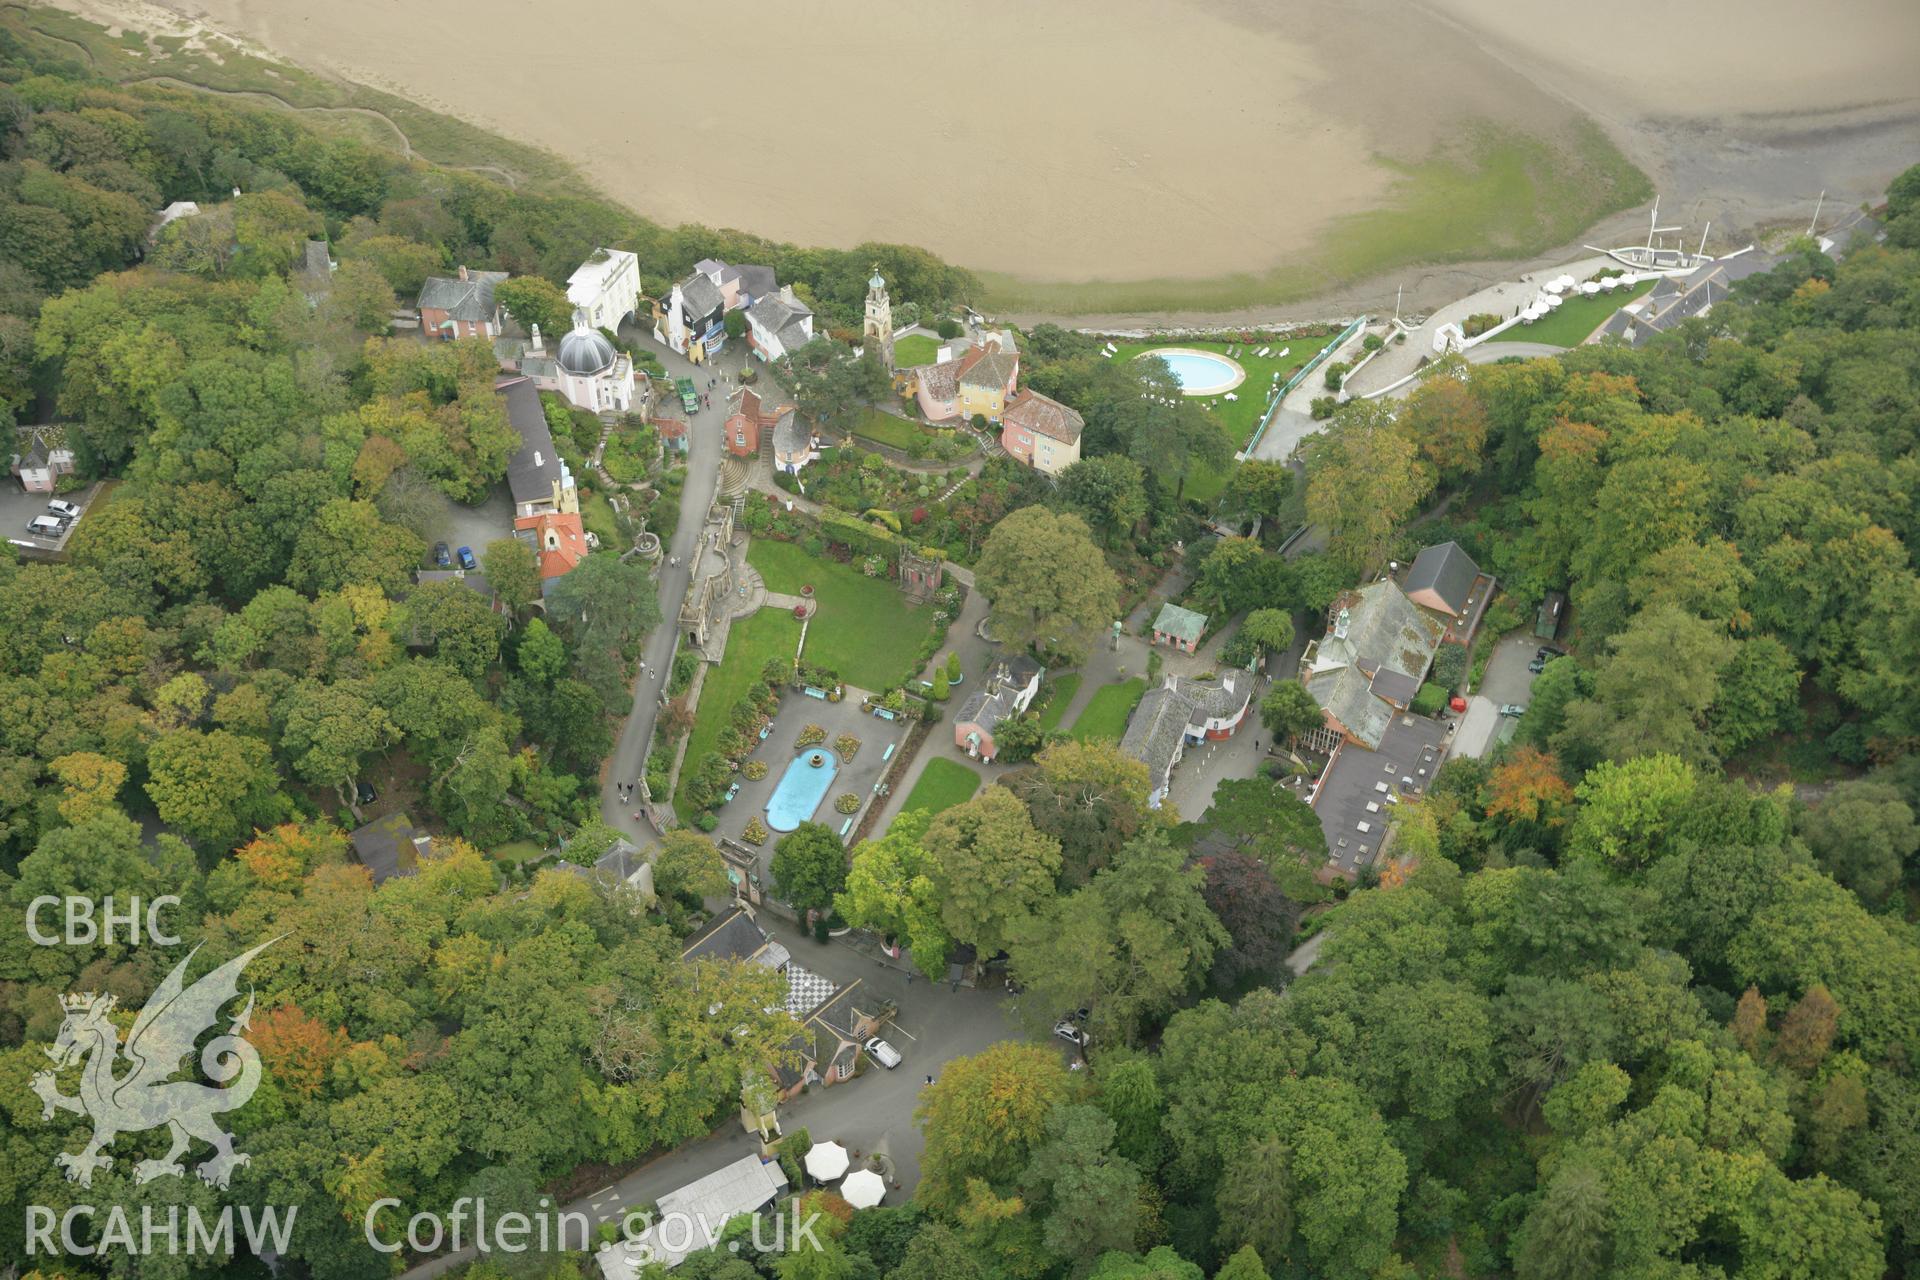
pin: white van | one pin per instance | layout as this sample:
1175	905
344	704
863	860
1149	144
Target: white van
46	526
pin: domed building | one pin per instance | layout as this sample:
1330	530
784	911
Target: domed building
585	368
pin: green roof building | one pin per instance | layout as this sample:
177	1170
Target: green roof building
1179	628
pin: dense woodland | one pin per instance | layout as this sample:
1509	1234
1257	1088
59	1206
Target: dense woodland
1624	1009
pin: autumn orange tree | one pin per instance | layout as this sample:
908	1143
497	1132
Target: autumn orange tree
1527	787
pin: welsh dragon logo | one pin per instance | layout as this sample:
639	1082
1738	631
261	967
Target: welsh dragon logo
144	1096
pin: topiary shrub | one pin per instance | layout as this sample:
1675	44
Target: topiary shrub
754	770
1322	407
706	821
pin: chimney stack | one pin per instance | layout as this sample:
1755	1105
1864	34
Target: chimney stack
463	271
1340	624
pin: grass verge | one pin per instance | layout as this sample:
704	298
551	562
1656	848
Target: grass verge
942	785
753	641
1063	690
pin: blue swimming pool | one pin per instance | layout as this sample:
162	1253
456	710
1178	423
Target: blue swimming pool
801	788
1199	372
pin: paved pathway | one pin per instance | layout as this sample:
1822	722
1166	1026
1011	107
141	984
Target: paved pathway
628	761
1401	359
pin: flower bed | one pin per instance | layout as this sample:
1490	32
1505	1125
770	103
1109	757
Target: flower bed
810	736
847	745
755	832
846	802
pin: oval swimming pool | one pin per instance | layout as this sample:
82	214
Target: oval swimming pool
801	788
1199	373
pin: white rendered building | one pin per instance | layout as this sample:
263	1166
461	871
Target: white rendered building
607	287
586	369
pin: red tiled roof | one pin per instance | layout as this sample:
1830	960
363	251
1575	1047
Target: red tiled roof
560	540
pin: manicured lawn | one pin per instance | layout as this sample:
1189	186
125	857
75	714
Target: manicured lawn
596	516
914	349
943	784
517	851
1063	690
1573	320
886	428
1106	716
753	641
864	629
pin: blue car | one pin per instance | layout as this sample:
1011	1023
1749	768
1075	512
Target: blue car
467	561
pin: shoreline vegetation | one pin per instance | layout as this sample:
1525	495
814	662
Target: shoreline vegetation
1495	193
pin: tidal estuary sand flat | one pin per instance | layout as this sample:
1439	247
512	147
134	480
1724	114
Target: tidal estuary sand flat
1100	155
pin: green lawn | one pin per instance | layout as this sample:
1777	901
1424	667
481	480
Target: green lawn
886	428
1063	690
753	641
1106	715
517	851
1573	320
942	785
864	629
596	517
914	349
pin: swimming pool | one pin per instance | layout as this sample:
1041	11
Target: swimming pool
1199	373
801	788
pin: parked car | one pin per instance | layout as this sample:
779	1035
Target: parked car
467	560
1537	666
64	509
46	526
365	794
1512	709
883	1053
1070	1031
442	557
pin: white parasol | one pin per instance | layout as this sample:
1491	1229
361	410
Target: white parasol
863	1189
826	1161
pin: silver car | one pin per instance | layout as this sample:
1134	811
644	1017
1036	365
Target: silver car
883	1053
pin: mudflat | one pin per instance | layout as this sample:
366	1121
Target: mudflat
1113	153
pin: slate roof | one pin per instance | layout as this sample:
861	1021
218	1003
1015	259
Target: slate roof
37	444
390	846
535	467
701	296
1680	298
1017	668
782	316
731	935
1155	732
1397	686
985	707
316	265
1386	632
789	437
1044	416
1181	623
1222	699
756	281
469	299
1445	569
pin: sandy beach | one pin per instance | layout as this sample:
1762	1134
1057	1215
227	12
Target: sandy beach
1123	139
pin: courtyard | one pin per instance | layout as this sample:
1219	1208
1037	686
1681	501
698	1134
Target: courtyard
802	725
